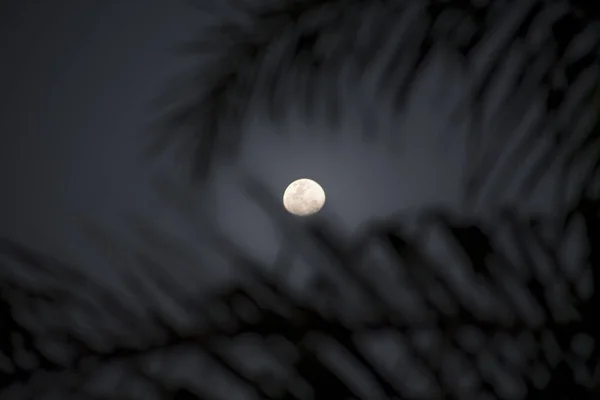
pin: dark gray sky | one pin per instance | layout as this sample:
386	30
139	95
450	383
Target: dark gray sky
75	87
75	97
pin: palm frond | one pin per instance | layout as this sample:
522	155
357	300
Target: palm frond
513	284
276	54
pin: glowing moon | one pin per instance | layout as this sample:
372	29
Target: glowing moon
304	197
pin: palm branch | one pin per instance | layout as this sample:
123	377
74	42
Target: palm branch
543	54
352	297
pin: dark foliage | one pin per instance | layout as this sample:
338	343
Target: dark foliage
257	52
519	323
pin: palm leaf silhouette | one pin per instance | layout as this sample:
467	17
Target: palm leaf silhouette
259	52
324	338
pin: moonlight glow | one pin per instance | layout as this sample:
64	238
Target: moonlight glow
304	197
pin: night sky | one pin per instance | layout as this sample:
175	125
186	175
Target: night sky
75	95
76	105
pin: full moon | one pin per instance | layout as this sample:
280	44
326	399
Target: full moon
304	197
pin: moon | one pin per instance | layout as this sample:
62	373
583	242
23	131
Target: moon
303	197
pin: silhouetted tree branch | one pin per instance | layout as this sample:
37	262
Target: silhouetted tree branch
280	323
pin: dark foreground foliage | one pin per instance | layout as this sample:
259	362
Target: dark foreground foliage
521	58
449	308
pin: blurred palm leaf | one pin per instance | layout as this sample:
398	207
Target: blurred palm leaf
270	51
508	268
